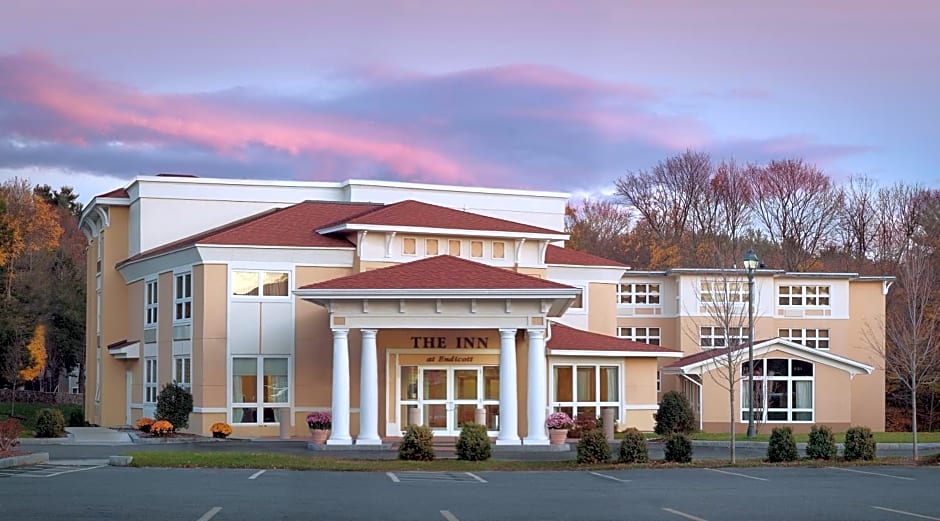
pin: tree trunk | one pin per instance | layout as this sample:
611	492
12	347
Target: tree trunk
732	427
914	417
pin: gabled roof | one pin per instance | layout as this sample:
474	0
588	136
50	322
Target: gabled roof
416	214
442	272
117	193
566	340
293	226
566	256
706	361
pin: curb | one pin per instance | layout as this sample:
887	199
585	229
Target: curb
47	441
120	461
25	459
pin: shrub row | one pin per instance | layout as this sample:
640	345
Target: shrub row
859	444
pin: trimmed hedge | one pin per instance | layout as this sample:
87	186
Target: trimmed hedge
50	423
859	444
593	447
782	446
822	443
678	448
417	445
633	447
174	404
674	415
474	443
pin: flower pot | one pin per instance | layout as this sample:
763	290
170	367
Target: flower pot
320	435
557	436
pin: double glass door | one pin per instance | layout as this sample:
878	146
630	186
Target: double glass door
448	397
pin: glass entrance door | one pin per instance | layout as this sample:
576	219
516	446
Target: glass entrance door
433	399
448	397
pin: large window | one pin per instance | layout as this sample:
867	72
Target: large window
258	399
182	371
723	291
634	293
647	335
783	390
803	296
260	283
150	380
813	338
150	303
716	336
586	389
183	297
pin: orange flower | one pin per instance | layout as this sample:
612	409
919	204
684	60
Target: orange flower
220	430
161	428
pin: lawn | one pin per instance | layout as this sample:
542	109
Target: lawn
880	437
26	413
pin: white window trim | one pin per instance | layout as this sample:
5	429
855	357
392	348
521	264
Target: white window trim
708	287
763	379
584	298
154	305
598	405
260	273
632	291
493	250
743	337
641	338
403	253
426	242
151	384
805	337
482	249
177	299
802	295
260	405
187	361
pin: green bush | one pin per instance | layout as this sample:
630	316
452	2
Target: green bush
50	423
174	404
782	446
417	445
674	415
593	447
859	444
633	447
678	448
822	444
474	443
77	418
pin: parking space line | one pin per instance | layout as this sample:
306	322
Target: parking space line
256	474
690	517
474	476
393	477
448	516
210	514
738	474
872	473
902	512
76	470
598	474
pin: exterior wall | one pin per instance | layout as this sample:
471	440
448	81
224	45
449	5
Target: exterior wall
639	390
601	301
866	327
209	353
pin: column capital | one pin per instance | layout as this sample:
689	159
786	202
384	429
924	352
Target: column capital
368	333
536	332
340	332
507	332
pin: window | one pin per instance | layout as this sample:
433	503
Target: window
803	296
150	380
716	336
659	381
409	246
633	293
453	247
183	297
579	300
182	371
783	390
99	246
499	250
476	249
586	389
150	303
430	247
813	338
254	399
260	283
647	335
722	291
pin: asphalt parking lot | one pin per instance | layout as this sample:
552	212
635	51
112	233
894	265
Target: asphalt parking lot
760	493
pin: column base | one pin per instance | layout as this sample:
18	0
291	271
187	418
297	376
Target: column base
535	441
369	441
339	441
510	441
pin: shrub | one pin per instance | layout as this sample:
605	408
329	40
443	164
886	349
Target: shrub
77	418
220	430
859	444
633	447
144	424
782	446
822	444
583	423
50	423
678	448
161	428
174	404
674	415
320	420
417	445
474	443
559	420
593	447
10	430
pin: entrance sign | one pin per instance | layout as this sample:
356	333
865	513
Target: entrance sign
441	342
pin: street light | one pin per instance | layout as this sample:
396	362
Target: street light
751	262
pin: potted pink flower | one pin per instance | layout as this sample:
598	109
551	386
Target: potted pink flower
558	424
320	424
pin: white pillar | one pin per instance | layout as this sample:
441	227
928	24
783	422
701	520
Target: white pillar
537	395
508	408
340	432
369	392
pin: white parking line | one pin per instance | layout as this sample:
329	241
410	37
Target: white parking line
393	477
738	474
598	474
210	514
912	514
474	476
256	474
872	473
448	516
683	514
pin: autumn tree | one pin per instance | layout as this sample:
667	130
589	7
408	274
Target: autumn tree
598	226
30	226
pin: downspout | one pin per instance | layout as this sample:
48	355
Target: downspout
699	385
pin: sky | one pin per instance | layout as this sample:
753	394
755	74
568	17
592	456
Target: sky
549	95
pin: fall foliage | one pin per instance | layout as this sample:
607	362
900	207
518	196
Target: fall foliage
37	355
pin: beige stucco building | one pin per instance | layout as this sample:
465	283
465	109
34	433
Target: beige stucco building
395	303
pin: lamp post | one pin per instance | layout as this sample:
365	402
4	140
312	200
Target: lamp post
751	262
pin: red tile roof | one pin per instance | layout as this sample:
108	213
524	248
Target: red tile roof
558	255
122	343
293	226
439	272
117	193
708	354
565	337
418	214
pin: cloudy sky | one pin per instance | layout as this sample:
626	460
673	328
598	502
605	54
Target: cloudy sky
547	94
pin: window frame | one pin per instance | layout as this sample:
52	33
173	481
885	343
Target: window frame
414	246
631	290
577	406
458	243
493	250
260	274
150	384
151	303
260	404
762	381
804	338
709	287
427	248
646	338
804	296
186	361
742	337
180	301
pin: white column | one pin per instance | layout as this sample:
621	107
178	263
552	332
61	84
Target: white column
537	389
508	408
340	433
368	392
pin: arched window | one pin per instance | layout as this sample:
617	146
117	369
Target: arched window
783	390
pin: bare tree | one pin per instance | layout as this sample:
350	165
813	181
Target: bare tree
899	211
598	226
734	195
859	218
